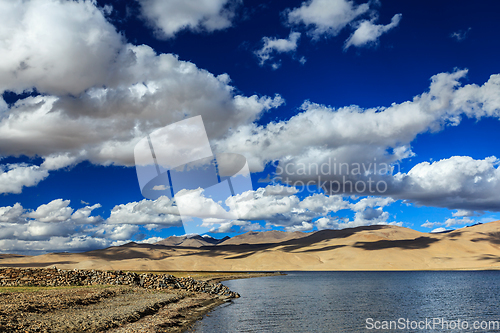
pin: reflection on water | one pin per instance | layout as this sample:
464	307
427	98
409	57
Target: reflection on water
342	301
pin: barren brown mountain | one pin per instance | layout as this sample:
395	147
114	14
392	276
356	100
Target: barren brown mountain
190	241
274	236
362	248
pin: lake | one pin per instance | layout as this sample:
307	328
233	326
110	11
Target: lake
361	302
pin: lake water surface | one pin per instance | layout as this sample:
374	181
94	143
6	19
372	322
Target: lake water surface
343	302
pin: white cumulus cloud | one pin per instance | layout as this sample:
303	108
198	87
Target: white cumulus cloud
13	177
55	211
458	182
171	16
326	17
59	47
368	33
304	227
277	45
159	211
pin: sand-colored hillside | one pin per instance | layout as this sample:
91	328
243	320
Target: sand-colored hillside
364	248
273	236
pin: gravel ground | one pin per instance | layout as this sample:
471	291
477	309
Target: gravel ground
91	309
113	309
176	317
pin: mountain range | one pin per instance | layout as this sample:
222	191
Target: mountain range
378	247
191	241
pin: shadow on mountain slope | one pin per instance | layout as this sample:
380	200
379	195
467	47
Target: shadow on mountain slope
406	244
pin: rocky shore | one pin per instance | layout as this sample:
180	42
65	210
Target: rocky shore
104	301
54	277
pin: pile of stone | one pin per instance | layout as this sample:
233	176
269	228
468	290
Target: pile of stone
10	277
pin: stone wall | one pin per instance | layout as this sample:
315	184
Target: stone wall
10	277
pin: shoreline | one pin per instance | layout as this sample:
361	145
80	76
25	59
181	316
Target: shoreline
217	302
55	300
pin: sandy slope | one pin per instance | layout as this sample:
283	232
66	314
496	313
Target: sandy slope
273	236
364	248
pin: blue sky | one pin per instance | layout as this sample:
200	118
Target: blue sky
412	85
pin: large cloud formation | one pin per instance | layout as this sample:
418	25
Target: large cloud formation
95	96
57	226
328	147
101	95
41	39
